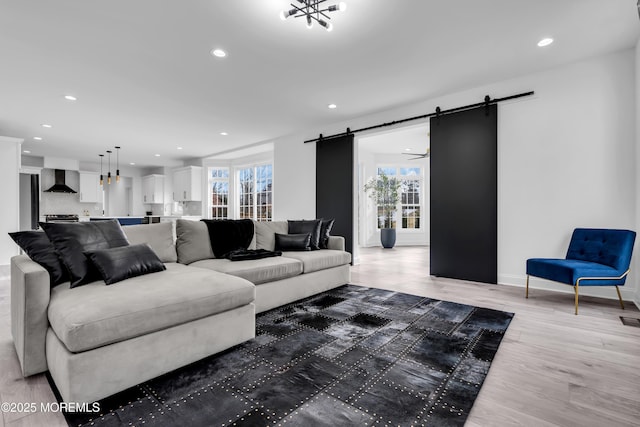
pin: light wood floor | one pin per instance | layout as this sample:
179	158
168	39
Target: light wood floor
552	369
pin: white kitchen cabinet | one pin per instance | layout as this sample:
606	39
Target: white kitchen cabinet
187	184
153	189
90	190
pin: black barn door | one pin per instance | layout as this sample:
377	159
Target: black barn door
464	195
334	185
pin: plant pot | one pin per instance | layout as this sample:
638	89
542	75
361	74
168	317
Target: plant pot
388	237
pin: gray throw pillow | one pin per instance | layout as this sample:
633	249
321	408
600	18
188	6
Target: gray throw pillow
265	233
192	241
158	236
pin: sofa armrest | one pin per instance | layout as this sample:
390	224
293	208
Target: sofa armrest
30	293
336	243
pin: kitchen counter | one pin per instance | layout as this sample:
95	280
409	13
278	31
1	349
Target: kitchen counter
123	220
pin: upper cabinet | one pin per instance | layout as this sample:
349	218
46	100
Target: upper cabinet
187	184
153	189
90	190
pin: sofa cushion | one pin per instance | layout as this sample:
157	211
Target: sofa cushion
95	315
319	260
159	236
266	233
192	241
72	239
118	264
256	270
312	226
36	244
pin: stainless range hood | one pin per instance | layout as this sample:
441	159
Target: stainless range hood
60	186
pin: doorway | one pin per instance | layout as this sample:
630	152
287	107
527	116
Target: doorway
400	154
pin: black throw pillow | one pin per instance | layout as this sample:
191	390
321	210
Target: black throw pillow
37	246
311	226
72	239
325	232
228	235
117	264
293	242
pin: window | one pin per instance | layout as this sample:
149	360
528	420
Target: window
255	192
244	192
409	207
410	196
219	185
264	193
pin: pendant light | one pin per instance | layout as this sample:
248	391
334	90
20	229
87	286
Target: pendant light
117	164
109	173
101	177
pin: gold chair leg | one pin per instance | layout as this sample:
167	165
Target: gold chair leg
620	298
526	292
575	288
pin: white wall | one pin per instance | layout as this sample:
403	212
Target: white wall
10	212
566	159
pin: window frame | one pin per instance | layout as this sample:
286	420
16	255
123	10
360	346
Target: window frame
255	195
399	214
219	179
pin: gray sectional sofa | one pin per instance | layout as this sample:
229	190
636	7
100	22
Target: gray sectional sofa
97	340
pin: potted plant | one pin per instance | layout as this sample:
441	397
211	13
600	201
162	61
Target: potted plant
385	191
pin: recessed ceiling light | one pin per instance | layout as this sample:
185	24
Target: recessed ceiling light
44	125
332	106
157	155
179	148
70	98
407	149
132	163
218	53
545	42
224	133
26	151
37	138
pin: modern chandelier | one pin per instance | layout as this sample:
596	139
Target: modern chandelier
312	11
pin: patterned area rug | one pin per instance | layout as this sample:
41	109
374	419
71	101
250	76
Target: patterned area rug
349	356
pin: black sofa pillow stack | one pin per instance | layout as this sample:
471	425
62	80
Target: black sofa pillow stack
71	240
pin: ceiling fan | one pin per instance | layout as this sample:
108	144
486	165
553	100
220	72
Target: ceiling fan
418	155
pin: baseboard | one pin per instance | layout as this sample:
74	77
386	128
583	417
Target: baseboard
607	292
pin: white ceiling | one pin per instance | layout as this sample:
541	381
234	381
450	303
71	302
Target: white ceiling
145	80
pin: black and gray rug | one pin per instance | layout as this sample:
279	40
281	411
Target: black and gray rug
349	356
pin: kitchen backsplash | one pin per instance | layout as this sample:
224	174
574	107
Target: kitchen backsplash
64	203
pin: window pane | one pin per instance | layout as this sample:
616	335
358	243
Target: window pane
387	171
219	192
410	171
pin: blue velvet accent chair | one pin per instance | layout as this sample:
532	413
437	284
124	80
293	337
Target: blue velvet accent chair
596	257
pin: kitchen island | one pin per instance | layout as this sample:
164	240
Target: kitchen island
126	220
